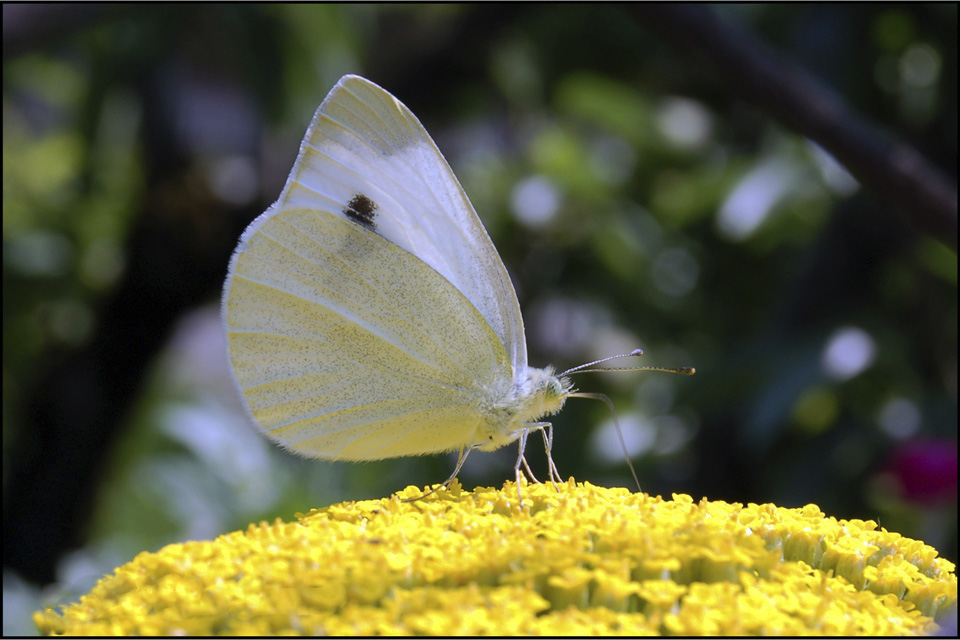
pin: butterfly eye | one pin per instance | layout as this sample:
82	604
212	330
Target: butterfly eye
555	388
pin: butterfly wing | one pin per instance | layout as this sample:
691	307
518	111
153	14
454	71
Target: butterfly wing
347	346
364	142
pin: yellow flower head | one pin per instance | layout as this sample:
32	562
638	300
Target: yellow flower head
581	560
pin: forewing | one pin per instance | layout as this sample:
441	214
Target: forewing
364	143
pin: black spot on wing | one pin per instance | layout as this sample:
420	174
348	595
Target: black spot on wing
362	210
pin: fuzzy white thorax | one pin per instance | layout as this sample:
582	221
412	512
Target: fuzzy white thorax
534	394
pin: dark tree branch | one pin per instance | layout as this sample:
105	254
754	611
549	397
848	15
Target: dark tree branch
892	168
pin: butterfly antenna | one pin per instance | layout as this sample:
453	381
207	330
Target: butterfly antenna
635	352
616	423
687	371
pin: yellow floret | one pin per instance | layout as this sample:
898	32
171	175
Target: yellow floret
582	560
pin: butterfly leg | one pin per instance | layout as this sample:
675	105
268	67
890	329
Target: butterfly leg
546	430
523	459
464	452
529	473
547	433
516	467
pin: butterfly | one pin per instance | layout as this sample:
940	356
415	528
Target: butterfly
368	314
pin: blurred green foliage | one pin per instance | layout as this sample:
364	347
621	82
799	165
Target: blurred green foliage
635	200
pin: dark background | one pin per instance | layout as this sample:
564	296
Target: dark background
653	177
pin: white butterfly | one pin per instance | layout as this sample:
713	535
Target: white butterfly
367	312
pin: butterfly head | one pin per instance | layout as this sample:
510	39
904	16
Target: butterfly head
540	392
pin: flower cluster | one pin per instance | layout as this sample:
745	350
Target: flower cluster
575	559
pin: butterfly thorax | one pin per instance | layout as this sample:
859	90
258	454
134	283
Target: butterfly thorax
535	393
